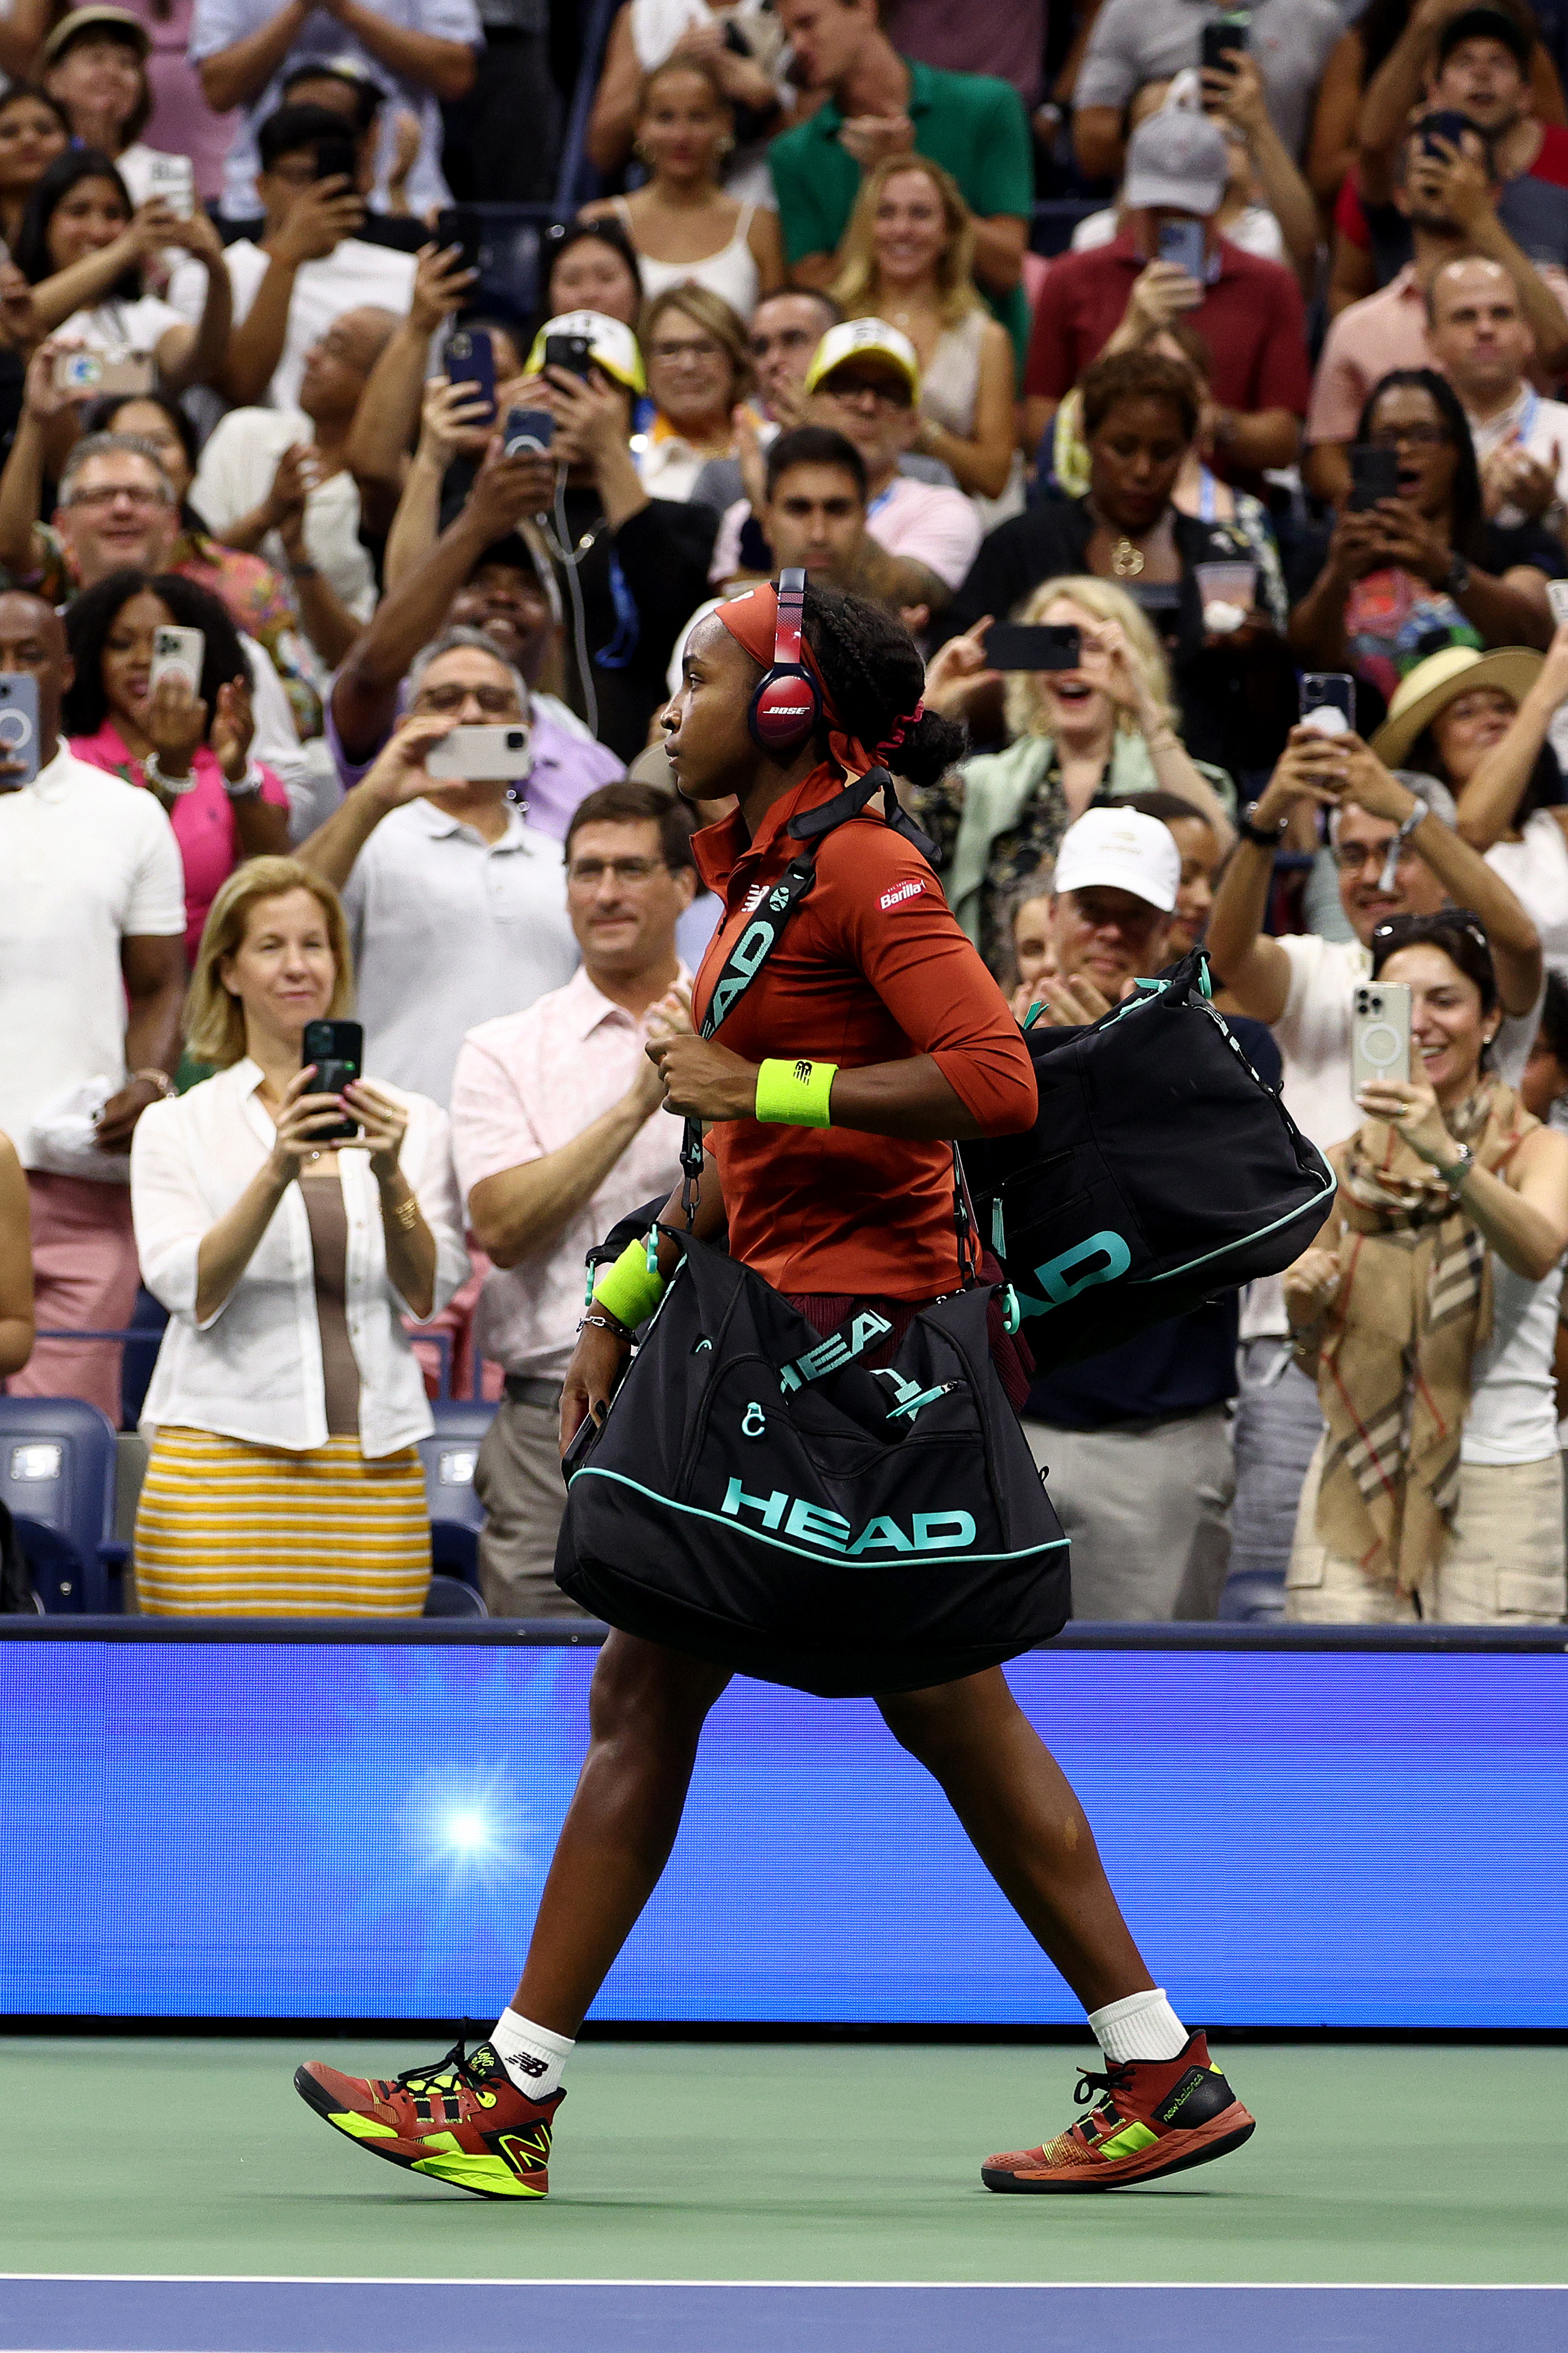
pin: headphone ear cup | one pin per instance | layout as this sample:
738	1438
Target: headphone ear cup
784	710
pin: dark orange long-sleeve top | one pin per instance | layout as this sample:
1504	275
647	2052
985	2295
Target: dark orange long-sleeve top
871	967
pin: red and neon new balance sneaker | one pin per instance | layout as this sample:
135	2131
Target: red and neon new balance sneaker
1158	2115
462	2120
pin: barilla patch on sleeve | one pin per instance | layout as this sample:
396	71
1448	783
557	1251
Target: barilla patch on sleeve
900	892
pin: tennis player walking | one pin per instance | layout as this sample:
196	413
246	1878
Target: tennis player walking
835	1181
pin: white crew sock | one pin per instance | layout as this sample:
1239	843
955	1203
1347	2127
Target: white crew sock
1139	2026
534	2057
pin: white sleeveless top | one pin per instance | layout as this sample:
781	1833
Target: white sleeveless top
1535	868
1513	1399
732	272
950	389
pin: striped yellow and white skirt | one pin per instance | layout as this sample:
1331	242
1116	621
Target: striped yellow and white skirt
230	1530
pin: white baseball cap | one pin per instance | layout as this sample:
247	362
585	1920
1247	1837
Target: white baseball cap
1120	850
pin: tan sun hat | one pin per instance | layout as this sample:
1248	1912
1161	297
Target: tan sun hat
1440	680
118	21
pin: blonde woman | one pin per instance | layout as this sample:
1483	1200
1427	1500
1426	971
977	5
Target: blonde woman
681	226
284	1479
694	349
1102	731
908	256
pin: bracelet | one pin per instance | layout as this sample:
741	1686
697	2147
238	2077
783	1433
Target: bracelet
1260	836
610	1323
250	785
159	1079
406	1212
1402	834
154	774
631	1289
795	1094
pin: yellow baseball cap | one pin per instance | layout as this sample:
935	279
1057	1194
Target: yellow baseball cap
855	339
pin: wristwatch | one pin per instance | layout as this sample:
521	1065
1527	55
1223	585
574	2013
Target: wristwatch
1454	1176
250	785
1456	579
1263	836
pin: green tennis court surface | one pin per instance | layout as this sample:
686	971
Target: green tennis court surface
797	2162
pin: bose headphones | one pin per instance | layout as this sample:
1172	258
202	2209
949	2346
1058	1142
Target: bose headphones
788	703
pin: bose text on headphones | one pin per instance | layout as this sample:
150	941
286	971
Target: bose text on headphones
788	703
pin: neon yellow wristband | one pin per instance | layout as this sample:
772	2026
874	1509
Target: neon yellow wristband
628	1290
795	1094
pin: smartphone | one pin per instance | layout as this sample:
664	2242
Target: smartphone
337	158
1557	597
1225	32
471	359
528	429
1446	124
178	653
18	727
498	754
1374	474
130	373
1182	242
337	1049
462	227
1053	645
1380	1033
172	177
1328	702
573	353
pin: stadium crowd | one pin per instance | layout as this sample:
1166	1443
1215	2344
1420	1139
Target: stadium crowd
1286	404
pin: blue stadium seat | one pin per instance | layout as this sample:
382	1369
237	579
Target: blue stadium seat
456	1516
58	1474
449	1598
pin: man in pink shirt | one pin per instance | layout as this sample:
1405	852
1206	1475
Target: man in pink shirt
557	1134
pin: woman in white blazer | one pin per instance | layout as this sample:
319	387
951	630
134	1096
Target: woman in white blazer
284	1478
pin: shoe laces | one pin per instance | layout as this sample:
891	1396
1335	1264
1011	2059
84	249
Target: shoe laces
1117	2076
456	2068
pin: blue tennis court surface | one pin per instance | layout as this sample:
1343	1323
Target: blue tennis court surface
271	2315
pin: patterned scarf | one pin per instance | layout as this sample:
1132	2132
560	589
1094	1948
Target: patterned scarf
1394	1378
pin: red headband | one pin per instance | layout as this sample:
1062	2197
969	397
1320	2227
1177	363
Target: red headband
752	620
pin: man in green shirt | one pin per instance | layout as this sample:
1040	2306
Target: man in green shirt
879	104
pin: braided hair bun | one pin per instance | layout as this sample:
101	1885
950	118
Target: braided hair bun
872	669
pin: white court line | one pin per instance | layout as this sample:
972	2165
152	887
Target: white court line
578	2279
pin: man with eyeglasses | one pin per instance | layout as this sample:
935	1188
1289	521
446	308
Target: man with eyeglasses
455	903
1397	853
555	1137
117	507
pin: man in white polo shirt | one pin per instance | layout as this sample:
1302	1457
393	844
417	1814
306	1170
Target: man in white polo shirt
558	1132
92	972
457	907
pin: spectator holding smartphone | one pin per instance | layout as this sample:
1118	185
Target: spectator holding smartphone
1426	1311
310	267
287	1403
1425	561
191	749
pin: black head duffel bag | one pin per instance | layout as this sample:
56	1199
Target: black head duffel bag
756	1497
1160	1171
